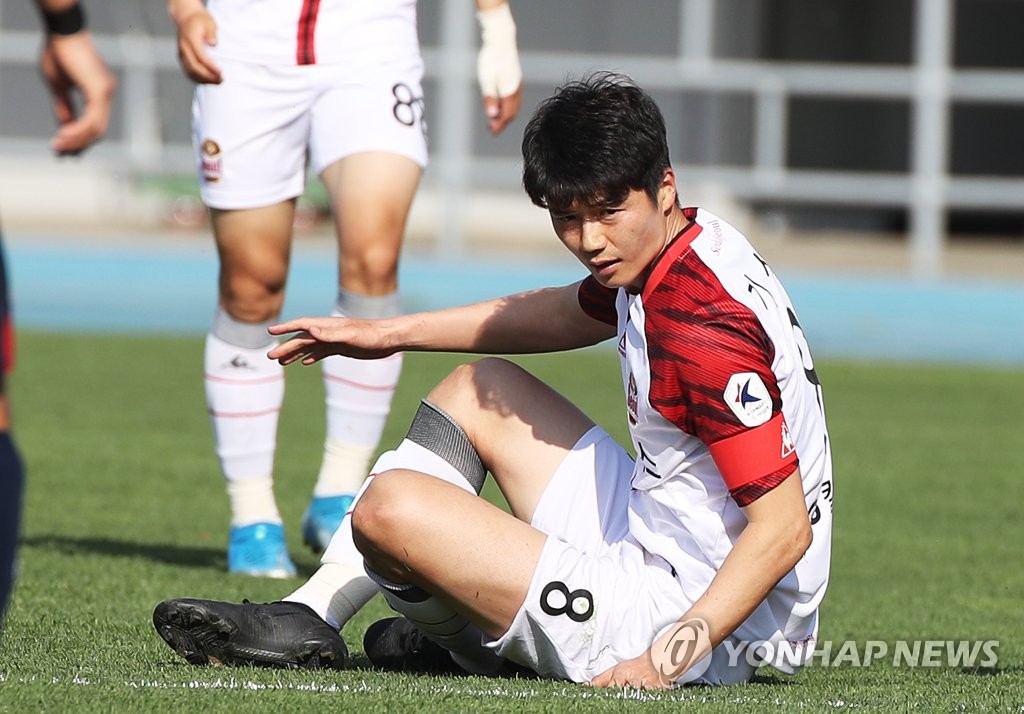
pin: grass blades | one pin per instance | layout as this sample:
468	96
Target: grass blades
125	507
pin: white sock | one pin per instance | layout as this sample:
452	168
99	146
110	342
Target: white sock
344	468
336	592
244	393
340	588
443	625
252	501
358	398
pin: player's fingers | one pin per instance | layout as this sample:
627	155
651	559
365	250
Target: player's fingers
198	33
209	39
289	348
63	109
197	64
502	110
492	107
316	353
602	680
496	121
299	324
207	69
74	137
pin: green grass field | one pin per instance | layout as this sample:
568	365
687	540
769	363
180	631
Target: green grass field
125	508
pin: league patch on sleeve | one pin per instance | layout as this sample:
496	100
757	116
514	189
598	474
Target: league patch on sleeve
748	398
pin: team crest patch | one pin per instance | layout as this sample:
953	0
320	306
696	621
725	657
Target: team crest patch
211	161
748	398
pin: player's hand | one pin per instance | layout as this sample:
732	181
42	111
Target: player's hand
501	110
69	63
638	672
497	67
319	337
196	32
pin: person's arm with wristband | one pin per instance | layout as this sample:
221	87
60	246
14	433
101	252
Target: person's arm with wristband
70	62
498	70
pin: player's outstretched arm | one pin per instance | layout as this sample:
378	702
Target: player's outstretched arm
196	31
777	534
498	70
70	63
548	320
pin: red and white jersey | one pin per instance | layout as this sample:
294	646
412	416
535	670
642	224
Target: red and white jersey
290	32
723	404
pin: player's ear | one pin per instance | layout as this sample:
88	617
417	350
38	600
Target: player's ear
668	198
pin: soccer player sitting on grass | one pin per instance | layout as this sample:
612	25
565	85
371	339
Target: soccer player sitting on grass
610	569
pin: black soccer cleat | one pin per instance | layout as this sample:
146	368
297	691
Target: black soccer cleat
277	634
397	645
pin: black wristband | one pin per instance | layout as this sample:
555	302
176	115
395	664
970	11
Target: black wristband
65	22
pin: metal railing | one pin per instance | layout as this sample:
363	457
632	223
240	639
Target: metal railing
930	86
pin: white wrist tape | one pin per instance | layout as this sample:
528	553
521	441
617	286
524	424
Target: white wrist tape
497	66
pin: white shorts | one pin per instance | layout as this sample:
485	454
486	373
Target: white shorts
256	134
596	598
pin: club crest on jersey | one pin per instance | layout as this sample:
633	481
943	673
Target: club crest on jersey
631	400
748	398
788	445
211	160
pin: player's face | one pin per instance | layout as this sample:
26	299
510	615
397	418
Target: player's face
618	242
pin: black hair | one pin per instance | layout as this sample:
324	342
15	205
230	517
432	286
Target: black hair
593	141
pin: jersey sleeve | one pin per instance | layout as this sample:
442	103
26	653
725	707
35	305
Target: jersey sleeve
711	376
598	301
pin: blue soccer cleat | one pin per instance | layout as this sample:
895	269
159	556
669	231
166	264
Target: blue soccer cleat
259	550
322	518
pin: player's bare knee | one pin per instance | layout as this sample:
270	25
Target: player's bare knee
388	505
251	312
371	271
468	387
249	300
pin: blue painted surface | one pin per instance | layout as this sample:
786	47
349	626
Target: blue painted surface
170	288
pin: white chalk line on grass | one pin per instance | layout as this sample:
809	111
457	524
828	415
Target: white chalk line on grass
496	692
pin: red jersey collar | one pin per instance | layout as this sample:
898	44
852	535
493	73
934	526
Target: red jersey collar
675	248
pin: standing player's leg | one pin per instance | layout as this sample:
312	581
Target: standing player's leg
244	389
368	145
371	194
251	134
11	468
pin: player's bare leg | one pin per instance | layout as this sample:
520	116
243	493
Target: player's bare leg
440	553
245	389
371	194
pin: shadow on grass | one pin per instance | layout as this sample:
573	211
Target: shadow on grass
991	671
213	558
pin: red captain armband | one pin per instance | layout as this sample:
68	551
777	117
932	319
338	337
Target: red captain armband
755	453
